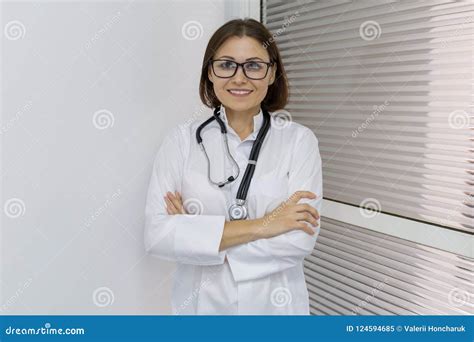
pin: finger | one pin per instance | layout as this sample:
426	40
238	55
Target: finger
180	199
306	207
298	195
176	202
306	217
305	228
171	206
171	197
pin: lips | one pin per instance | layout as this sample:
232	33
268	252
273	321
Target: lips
239	92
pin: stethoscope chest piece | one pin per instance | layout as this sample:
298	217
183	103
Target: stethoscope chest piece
238	211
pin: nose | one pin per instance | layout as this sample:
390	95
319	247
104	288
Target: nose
239	76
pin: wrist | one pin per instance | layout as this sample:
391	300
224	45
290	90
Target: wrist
257	228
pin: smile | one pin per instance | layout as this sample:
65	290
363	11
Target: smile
239	92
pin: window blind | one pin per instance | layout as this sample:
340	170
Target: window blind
357	271
387	87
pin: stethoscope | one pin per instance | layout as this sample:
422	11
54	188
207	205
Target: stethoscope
238	210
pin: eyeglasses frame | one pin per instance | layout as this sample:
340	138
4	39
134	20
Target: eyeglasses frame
211	62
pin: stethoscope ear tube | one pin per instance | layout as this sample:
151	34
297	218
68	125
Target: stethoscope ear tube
217	112
254	153
199	129
226	144
238	210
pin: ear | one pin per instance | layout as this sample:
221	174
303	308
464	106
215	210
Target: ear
272	74
210	75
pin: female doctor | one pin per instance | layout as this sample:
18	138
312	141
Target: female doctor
234	199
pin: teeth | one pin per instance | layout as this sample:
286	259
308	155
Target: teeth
240	92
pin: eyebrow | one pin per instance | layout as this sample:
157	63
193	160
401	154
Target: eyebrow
248	59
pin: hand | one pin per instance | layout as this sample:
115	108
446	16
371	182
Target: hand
290	215
174	203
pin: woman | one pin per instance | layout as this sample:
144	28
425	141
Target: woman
251	265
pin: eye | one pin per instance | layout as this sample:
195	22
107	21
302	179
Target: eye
253	66
227	65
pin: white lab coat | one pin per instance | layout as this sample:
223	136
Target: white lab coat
262	277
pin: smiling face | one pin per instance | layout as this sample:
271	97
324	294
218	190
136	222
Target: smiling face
239	93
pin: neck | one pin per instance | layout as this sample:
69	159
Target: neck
242	121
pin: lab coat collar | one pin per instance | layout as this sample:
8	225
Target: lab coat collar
257	123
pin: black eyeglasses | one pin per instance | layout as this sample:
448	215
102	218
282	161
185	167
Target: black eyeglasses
254	70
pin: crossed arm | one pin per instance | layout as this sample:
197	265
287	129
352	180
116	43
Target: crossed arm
253	248
287	217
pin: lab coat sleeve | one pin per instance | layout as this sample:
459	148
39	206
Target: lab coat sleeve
189	239
263	257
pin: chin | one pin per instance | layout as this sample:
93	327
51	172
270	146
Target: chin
239	106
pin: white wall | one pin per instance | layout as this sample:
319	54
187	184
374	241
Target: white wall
74	189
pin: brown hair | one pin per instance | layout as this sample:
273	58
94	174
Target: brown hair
277	95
